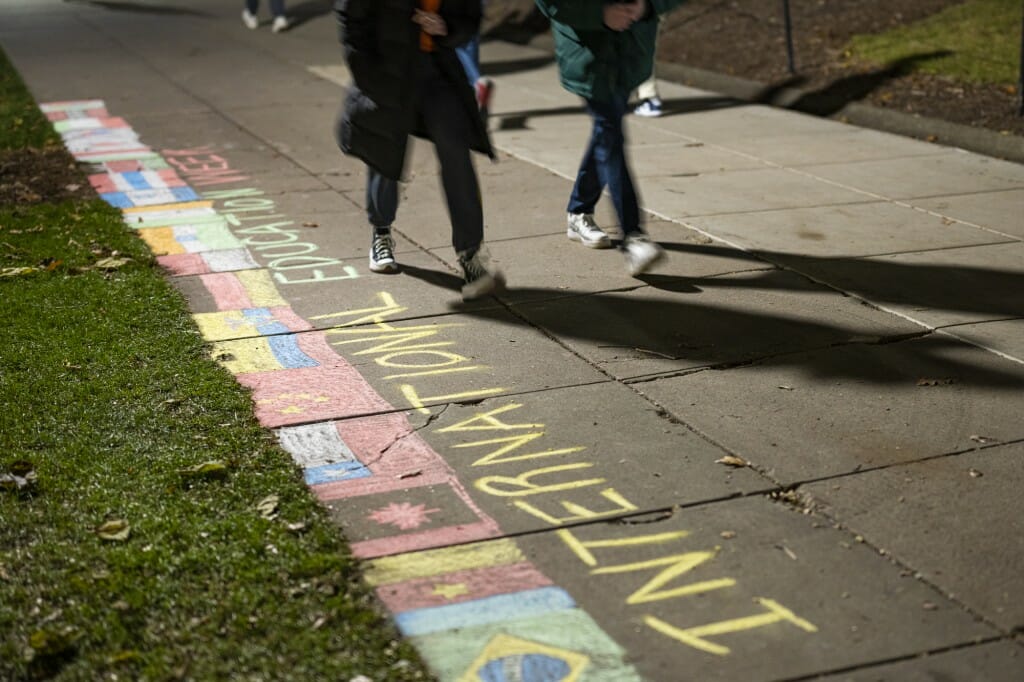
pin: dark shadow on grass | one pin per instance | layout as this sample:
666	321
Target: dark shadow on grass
836	95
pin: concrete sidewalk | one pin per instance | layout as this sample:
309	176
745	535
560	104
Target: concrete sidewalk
794	450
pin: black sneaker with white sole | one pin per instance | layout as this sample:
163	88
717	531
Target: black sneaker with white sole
382	253
479	275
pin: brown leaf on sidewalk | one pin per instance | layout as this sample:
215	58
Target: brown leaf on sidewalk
733	461
935	382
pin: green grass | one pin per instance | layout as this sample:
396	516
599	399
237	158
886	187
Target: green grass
982	36
107	392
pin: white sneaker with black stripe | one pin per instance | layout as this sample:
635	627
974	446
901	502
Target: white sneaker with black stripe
382	253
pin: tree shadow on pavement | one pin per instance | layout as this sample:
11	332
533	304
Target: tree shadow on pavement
986	292
786	320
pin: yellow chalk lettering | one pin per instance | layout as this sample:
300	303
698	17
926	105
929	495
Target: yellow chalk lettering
419	402
488	421
513	443
579	512
520	485
397	337
678	564
696	636
390	307
435	372
447	359
582	548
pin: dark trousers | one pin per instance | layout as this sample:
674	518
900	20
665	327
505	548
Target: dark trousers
446	122
605	165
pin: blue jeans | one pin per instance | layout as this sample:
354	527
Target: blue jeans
605	165
469	55
276	7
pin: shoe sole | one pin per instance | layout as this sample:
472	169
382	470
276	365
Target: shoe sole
574	236
648	115
384	268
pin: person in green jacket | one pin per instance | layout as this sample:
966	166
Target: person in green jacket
604	51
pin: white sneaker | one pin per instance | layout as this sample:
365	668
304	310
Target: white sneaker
650	108
382	253
481	278
281	23
641	253
250	19
584	230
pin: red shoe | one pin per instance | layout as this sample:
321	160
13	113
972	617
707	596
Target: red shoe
484	92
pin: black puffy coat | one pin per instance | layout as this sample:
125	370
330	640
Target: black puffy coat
381	43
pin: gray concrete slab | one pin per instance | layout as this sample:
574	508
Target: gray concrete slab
1005	337
686	159
681	323
995	662
948	512
840	145
740	192
843	231
826	601
455	358
536	268
987	209
840	410
942	287
584	460
954	172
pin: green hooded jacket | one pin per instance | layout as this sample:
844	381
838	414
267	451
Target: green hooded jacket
594	61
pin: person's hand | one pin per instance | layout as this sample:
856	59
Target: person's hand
431	23
619	16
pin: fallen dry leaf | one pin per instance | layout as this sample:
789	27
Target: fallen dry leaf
974	473
311	224
935	382
411	474
115	530
732	461
267	507
728	534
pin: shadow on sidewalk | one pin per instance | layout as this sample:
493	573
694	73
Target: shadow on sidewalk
694	334
141	8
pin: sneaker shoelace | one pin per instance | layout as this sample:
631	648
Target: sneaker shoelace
473	268
383	247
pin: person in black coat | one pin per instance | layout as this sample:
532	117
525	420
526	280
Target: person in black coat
408	81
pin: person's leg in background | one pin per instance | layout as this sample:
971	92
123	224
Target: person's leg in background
381	207
647	93
469	55
608	150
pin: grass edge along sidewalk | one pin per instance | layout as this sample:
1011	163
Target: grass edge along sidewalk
149	527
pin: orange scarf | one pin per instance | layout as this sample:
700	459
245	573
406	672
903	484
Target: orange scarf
426	40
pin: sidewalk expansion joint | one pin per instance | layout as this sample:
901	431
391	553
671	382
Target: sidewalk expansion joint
978	641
